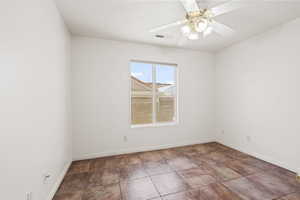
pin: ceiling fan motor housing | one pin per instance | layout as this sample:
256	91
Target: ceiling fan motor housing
195	17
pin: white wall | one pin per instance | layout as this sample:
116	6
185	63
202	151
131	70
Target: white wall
100	96
258	95
34	78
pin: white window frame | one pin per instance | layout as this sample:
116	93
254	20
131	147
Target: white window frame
154	123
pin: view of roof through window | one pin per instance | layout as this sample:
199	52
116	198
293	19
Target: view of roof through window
143	94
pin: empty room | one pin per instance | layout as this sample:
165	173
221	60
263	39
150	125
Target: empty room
150	100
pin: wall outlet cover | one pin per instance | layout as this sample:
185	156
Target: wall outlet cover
248	138
29	196
46	178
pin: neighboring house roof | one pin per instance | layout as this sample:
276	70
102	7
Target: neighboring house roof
138	85
169	90
145	85
144	89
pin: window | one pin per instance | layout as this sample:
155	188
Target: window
153	93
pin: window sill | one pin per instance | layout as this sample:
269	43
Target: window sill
154	125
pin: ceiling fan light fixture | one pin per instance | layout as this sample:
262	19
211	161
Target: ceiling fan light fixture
202	26
186	30
193	36
200	22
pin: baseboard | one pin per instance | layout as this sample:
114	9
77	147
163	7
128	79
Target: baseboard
265	158
138	149
58	181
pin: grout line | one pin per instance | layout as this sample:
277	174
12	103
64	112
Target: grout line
121	193
155	186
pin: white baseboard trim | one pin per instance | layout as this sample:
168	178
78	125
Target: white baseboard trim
137	149
265	158
58	181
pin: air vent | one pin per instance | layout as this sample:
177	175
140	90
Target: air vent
160	36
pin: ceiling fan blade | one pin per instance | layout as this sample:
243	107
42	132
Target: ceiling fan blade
177	23
222	29
205	4
207	32
227	7
190	5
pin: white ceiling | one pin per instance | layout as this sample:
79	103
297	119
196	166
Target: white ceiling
130	20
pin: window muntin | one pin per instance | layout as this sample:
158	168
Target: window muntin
153	93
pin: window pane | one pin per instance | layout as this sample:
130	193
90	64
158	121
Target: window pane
165	93
141	93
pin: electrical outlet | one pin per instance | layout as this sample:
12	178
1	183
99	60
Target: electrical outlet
29	196
248	138
46	178
222	132
125	138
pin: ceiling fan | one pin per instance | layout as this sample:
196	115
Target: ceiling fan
201	21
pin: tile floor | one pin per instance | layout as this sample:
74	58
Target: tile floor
198	172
